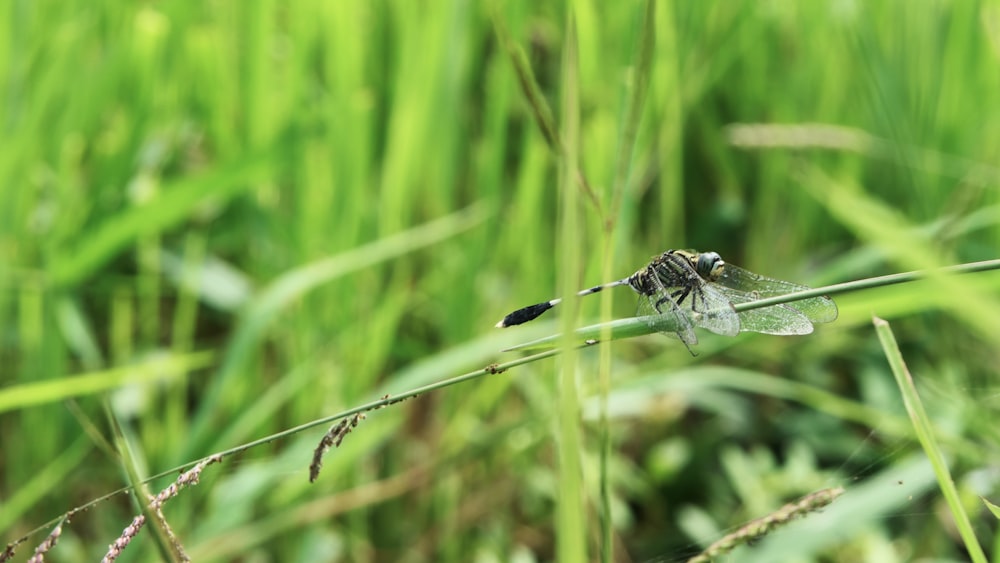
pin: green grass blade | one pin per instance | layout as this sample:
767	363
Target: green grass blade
29	395
639	86
173	205
924	429
994	509
132	467
571	521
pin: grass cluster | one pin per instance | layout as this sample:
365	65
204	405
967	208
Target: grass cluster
228	226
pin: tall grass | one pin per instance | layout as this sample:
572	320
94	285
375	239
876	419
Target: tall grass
224	221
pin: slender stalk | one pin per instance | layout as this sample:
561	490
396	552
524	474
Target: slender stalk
491	369
571	521
869	283
539	107
529	85
632	117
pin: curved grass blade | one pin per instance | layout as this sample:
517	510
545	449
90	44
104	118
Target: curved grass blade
924	430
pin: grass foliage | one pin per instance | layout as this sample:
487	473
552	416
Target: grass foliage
224	221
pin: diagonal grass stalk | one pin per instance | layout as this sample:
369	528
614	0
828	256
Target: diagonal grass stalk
924	429
492	369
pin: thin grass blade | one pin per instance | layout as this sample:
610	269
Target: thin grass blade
924	429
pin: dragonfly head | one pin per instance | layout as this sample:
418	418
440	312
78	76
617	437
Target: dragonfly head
710	265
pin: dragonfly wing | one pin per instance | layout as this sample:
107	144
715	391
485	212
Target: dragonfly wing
674	275
779	319
666	317
712	310
755	286
817	309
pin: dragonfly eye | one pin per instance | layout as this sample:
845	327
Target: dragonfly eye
710	265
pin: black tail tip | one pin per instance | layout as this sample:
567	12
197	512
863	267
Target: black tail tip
524	315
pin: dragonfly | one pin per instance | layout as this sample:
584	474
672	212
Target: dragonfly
684	289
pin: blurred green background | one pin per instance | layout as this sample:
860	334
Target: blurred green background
222	220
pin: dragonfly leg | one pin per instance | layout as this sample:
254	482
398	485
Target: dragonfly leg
678	296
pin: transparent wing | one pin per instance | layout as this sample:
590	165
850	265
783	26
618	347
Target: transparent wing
779	319
755	286
710	309
664	315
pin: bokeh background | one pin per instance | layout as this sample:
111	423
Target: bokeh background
221	220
